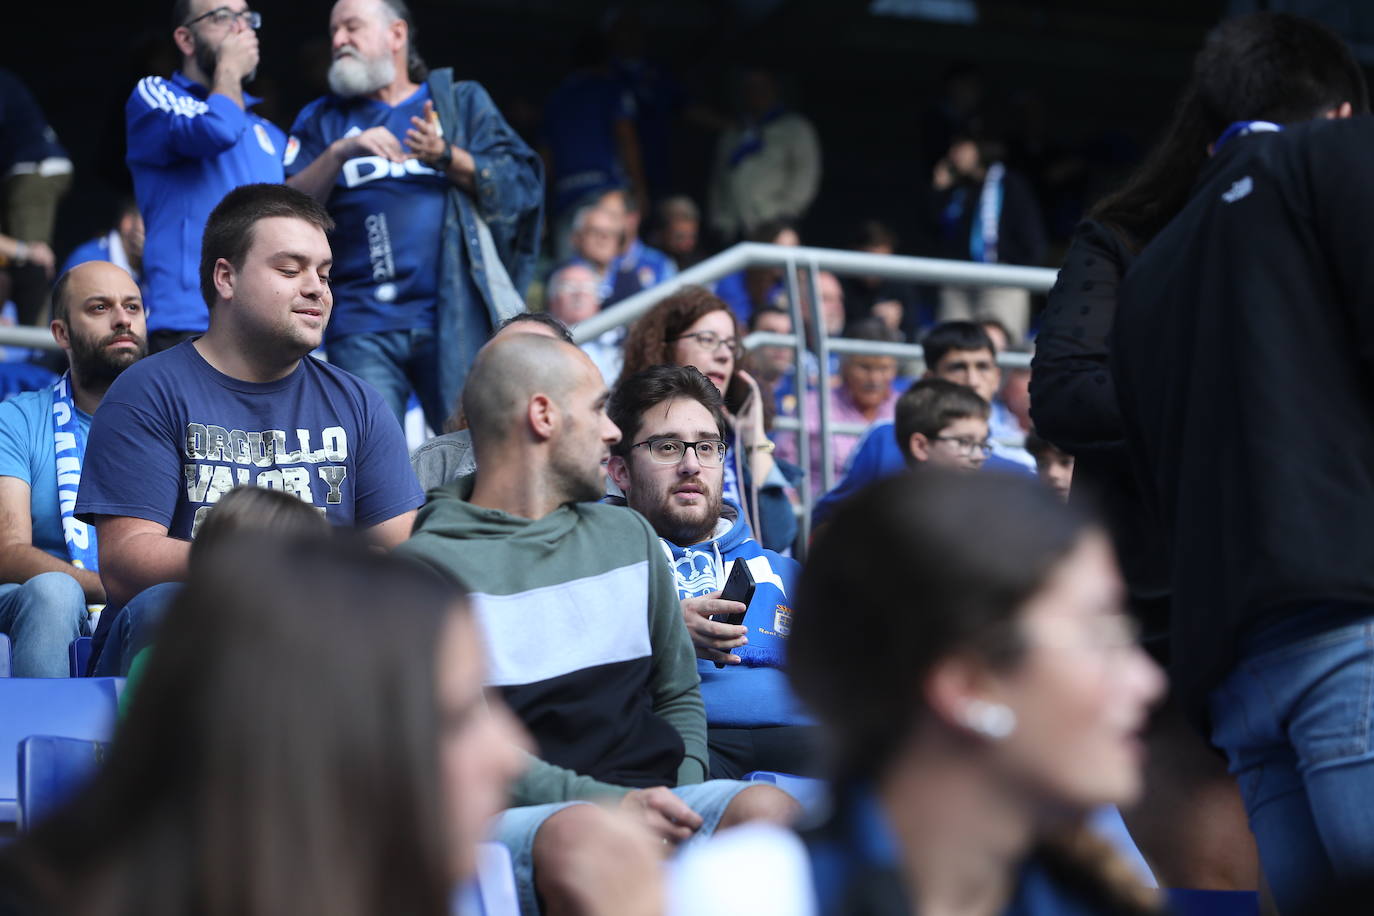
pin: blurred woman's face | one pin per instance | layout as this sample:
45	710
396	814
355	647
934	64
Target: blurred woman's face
709	345
1083	690
479	744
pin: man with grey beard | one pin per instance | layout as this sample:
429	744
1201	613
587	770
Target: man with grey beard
437	204
192	139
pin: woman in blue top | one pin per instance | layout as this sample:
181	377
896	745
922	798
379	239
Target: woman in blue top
994	696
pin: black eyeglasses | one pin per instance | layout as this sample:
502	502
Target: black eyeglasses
224	17
710	341
966	445
710	452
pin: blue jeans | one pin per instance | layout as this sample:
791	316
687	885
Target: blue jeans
1295	723
132	628
42	617
394	362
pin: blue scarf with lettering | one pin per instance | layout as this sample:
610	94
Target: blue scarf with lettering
69	445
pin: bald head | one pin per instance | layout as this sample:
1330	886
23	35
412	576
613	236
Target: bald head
88	280
508	372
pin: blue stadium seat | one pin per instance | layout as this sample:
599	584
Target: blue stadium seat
812	794
492	893
52	770
63	707
79	655
5	662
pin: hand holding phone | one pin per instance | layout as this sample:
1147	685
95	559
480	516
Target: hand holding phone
738	587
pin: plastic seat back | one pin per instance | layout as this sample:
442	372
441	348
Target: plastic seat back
62	707
5	663
52	770
79	655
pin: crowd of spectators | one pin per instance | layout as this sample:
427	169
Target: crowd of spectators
591	691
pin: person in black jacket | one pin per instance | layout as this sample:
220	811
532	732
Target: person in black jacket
1191	826
1242	365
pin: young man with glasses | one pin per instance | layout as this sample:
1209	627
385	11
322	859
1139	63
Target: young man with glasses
580	616
192	139
669	463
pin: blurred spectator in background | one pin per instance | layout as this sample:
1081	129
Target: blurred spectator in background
694	328
771	365
596	244
191	139
941	424
995	707
437	204
590	144
961	351
48	559
677	230
36	173
1054	465
658	98
253	807
768	166
988	214
122	246
573	297
649	266
865	394
960	102
894	302
759	287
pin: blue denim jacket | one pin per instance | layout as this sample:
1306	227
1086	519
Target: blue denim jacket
509	196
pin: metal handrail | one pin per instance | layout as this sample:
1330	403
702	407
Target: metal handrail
24	336
814	260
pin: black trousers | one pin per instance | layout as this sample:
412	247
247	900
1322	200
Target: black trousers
790	749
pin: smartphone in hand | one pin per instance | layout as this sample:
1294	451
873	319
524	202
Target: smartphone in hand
739	587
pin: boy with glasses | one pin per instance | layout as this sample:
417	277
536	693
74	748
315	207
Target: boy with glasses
669	463
192	139
943	424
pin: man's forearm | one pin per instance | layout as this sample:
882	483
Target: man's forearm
317	178
141	561
462	169
21	562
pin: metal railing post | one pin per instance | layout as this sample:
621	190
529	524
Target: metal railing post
799	379
823	381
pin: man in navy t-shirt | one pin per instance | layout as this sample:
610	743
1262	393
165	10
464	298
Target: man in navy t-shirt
417	292
243	405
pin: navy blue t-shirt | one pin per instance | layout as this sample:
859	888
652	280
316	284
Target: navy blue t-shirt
388	216
579	128
173	435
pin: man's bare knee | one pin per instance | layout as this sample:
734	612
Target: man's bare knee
588	860
761	803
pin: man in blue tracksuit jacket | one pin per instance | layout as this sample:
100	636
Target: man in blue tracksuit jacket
669	464
192	139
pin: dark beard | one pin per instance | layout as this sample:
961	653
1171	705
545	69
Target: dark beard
675	529
97	367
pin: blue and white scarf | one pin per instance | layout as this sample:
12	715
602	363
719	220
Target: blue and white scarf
69	445
1241	129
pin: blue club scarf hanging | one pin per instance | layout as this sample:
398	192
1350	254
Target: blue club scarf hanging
69	445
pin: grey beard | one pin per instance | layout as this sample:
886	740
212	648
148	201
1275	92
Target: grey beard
351	76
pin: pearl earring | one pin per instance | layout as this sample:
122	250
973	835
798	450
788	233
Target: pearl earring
991	720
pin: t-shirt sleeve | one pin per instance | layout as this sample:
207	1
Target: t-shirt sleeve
132	466
16	434
387	485
306	142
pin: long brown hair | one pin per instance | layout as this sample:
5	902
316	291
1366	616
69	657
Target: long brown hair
281	756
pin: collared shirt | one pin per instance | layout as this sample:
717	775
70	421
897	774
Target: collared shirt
188	147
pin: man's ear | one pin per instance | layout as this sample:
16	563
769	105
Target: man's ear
619	469
60	333
920	447
185	41
224	276
543	416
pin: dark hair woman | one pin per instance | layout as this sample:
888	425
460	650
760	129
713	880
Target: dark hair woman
695	328
1270	66
310	738
997	699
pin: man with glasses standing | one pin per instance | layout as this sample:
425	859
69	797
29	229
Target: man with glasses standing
670	464
192	139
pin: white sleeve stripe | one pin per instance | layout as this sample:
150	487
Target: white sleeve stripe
155	93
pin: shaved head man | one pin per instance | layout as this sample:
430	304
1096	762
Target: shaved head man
581	618
48	559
